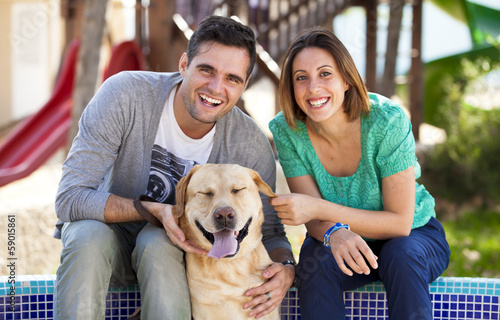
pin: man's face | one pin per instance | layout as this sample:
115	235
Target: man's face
214	80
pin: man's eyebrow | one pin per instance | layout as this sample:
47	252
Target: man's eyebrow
240	79
205	66
232	75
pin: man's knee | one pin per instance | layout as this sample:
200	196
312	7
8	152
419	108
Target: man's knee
153	243
88	239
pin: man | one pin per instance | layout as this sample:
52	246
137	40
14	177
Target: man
140	134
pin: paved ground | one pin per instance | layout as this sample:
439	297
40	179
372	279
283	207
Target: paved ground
31	202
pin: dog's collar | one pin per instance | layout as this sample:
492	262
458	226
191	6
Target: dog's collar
148	216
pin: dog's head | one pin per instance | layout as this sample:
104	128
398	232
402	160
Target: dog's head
220	209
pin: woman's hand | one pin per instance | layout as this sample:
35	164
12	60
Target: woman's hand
294	209
348	247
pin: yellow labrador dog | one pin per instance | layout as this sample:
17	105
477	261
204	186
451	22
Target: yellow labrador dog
220	210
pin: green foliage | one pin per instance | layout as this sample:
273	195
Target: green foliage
466	166
475	245
465	169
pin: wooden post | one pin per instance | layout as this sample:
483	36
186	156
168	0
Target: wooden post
88	60
161	25
138	22
416	70
371	45
72	13
387	85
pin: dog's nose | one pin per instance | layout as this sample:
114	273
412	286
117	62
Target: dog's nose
224	215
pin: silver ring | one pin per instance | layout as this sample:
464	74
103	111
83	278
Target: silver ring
268	296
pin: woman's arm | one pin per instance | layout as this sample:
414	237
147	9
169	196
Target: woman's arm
305	205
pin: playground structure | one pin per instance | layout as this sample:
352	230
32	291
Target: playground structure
39	136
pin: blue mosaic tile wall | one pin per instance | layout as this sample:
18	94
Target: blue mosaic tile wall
453	298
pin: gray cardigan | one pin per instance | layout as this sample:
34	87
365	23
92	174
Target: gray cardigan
112	152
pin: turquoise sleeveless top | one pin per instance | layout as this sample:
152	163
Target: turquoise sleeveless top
387	147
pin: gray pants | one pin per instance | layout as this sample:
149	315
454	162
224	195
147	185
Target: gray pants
97	256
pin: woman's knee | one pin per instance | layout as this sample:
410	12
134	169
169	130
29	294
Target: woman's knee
316	263
399	257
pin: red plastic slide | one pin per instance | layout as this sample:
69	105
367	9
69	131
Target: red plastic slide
39	136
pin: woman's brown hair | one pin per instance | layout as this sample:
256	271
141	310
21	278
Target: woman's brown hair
356	101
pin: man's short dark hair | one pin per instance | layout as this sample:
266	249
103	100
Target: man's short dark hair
225	31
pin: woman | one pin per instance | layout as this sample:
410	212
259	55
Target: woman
349	159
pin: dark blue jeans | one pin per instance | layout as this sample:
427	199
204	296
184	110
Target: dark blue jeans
406	267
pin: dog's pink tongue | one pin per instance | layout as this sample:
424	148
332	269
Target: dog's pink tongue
225	244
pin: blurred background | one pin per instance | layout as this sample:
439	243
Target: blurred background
440	59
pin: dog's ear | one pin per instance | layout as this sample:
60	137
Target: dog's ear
261	185
180	193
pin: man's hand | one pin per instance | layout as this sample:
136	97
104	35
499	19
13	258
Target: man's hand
164	214
269	295
349	247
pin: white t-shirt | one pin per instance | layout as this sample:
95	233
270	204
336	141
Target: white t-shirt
174	154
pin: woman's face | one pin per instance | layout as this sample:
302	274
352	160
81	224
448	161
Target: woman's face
318	84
